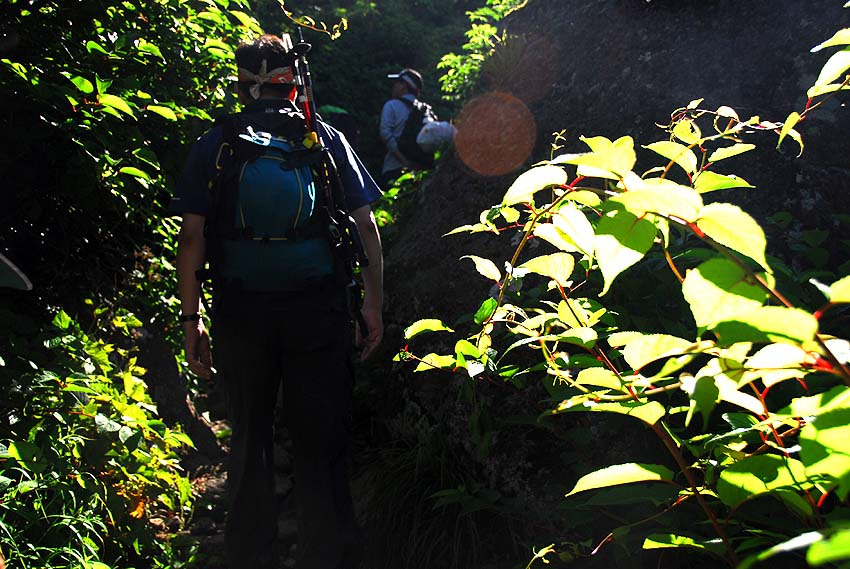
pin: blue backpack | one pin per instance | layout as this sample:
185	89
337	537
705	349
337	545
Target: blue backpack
268	225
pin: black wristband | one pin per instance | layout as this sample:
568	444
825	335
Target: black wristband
189	317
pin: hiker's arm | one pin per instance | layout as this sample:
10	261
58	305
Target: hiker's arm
191	253
373	279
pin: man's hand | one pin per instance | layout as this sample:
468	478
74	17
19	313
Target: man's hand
197	346
375	324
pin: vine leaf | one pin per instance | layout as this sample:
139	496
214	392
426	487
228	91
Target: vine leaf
486	267
769	324
708	181
663	197
647	348
841	37
600	377
788	130
718	290
835	67
435	361
622	239
116	103
572	223
759	474
557	266
729	151
839	291
687	131
677	153
823	448
650	412
162	111
732	227
607	159
670	540
425	325
622	474
530	182
834	548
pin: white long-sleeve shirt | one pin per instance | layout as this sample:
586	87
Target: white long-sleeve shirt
393	116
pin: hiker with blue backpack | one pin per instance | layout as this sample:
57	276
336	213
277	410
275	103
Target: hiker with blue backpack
277	204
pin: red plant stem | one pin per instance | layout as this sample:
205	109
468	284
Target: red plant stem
673	266
712	516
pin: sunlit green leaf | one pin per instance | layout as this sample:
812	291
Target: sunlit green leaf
825	448
835	67
435	361
687	131
768	324
717	290
647	348
486	267
425	325
92	46
135	172
729	151
83	84
834	548
663	197
732	227
622	239
622	474
600	377
793	544
573	223
532	181
675	152
708	181
485	311
669	540
556	266
164	112
703	394
650	412
116	103
759	474
839	291
841	37
607	159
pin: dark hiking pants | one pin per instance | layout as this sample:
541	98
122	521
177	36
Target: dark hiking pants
300	344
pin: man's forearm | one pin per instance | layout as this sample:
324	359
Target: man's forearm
373	275
191	254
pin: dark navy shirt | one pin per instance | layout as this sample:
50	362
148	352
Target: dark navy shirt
192	192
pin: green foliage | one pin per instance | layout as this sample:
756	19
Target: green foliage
88	473
102	99
461	71
773	476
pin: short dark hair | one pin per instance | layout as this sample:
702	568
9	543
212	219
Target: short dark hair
271	48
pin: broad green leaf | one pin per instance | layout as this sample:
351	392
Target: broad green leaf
650	412
164	112
768	324
708	181
687	131
647	348
718	290
485	311
841	37
620	339
532	181
28	455
551	234
839	291
677	153
729	151
509	214
92	46
247	21
83	84
425	325
146	47
557	266
836	398
825	448
662	197
576	313
779	356
611	160
622	239
135	172
703	394
835	67
486	267
116	103
435	361
600	377
622	474
732	227
572	222
834	548
728	112
759	474
669	540
793	544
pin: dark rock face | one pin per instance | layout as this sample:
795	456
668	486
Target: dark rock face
619	67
